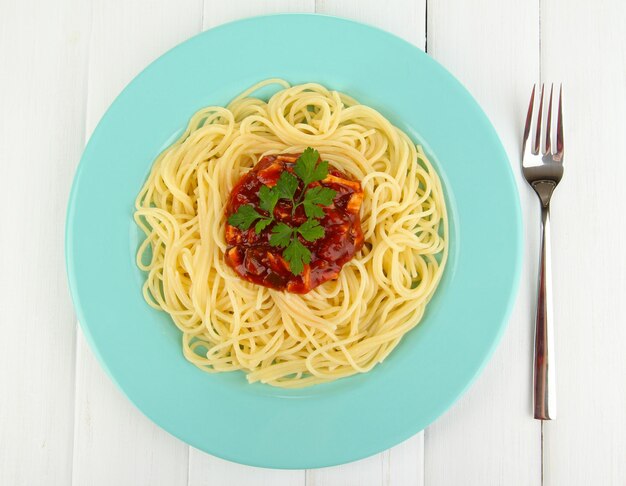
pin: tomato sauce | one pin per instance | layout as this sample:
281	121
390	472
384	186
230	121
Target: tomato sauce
255	260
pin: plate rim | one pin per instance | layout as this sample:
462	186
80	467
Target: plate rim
496	338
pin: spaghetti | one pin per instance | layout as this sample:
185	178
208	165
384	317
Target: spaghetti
344	326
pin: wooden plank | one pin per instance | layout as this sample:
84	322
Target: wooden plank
218	12
114	443
404	18
489	436
402	465
584	47
366	472
204	469
43	47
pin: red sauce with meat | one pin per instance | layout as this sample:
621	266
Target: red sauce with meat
255	260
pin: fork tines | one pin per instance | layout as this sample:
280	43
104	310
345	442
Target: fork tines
547	141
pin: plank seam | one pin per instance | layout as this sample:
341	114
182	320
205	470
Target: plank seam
541	448
87	62
426	26
539	21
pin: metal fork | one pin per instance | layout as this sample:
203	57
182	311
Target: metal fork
542	164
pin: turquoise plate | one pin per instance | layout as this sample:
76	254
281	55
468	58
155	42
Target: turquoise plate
325	424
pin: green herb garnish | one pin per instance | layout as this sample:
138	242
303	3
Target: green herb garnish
282	234
316	197
308	170
311	230
297	255
244	217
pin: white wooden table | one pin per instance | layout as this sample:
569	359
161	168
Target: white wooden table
63	422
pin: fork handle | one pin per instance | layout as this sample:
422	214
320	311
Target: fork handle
544	373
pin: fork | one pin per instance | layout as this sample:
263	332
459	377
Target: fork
542	165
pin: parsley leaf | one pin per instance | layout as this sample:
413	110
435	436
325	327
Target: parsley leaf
268	199
262	224
320	195
281	235
320	172
311	230
313	210
297	255
286	185
244	217
317	196
308	169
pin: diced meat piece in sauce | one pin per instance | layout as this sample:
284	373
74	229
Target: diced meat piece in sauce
255	260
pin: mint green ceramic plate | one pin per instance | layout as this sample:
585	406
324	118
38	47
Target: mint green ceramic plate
353	417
